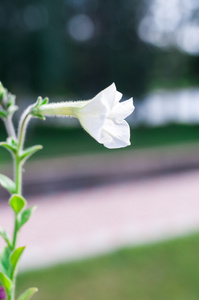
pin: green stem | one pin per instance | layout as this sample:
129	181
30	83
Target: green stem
11	295
15	234
18	174
22	128
18	182
9	127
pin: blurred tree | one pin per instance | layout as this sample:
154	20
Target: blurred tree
78	45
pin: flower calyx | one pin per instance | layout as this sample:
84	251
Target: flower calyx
35	108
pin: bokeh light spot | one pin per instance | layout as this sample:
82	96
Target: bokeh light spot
81	27
35	17
171	24
188	39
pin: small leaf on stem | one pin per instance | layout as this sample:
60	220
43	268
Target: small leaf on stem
15	256
5	237
3	114
7	183
5	261
7	283
45	101
17	203
25	215
30	151
39	101
28	294
2	91
10	145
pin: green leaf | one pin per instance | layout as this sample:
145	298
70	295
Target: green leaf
11	99
5	237
10	103
15	256
7	283
25	216
38	116
5	261
17	203
45	101
2	91
9	145
3	114
28	294
7	183
38	102
30	151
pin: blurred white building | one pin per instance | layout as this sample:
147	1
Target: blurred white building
163	107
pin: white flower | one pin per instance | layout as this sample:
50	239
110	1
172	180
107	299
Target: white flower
102	117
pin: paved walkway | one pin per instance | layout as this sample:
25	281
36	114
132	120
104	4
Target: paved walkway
75	224
72	172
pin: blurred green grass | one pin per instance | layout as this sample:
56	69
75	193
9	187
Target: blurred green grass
167	270
67	141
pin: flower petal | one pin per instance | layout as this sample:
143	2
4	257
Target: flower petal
93	114
92	117
115	134
108	96
123	109
118	97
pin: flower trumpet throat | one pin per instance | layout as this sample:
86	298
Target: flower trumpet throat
103	117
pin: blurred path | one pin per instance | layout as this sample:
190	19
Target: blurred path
86	222
45	176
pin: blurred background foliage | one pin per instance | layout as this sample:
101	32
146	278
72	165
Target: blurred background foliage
78	47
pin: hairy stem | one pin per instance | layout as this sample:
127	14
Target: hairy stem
18	181
18	174
25	118
9	127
